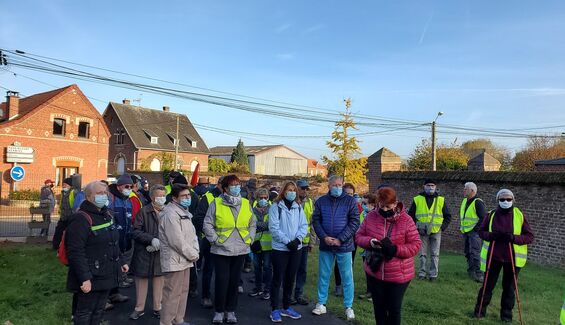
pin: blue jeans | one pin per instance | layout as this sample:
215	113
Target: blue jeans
263	271
326	262
302	272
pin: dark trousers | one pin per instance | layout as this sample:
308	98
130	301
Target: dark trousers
473	244
302	273
367	276
387	300
207	267
336	269
193	283
90	307
61	226
228	274
508	296
263	271
46	219
285	266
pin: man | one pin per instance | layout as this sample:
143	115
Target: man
47	201
335	220
471	214
137	191
307	243
431	216
208	265
202	187
179	251
170	180
65	210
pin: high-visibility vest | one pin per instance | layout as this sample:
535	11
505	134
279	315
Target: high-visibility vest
433	216
265	237
209	197
361	218
168	189
308	211
520	251
226	223
562	318
469	217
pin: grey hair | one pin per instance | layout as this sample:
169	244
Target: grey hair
334	178
471	186
261	190
155	188
89	188
504	191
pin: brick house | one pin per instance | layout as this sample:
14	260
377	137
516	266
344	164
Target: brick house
145	139
315	168
65	131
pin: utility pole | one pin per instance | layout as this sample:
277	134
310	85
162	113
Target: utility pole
345	126
177	145
434	141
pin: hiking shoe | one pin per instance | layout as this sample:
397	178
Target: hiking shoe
302	301
218	318
290	313
276	316
319	310
118	298
207	303
293	301
240	289
255	292
338	291
136	314
157	314
349	314
266	296
230	317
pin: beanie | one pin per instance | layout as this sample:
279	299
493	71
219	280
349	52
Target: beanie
124	179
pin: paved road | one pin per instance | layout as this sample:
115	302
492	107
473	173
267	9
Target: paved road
251	311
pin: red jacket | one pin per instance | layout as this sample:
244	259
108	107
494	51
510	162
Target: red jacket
404	235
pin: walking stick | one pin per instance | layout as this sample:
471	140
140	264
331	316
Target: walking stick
486	279
515	282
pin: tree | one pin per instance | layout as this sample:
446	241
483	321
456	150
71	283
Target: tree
218	165
348	161
239	156
538	148
449	157
477	146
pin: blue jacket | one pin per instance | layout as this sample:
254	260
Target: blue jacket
338	218
121	209
287	225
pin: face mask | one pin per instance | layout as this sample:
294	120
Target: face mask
235	190
290	196
429	190
51	185
386	214
126	192
262	202
336	191
101	200
65	189
505	204
160	200
185	203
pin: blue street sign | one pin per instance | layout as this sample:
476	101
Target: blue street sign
17	173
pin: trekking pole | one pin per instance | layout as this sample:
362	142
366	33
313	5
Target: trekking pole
486	279
515	282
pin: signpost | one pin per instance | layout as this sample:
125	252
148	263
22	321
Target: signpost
18	154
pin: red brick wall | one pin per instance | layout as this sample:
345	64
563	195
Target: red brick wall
36	130
185	158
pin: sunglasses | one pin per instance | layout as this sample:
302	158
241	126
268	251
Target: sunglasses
128	187
502	200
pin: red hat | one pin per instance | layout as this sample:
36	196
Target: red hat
47	181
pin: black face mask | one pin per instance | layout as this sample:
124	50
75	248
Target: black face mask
386	214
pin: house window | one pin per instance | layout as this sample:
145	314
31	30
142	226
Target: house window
193	144
120	136
154	140
59	126
83	129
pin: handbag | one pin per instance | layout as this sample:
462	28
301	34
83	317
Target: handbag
374	258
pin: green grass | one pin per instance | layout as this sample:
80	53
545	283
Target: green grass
452	298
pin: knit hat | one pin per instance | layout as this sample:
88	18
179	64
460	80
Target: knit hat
504	191
68	181
180	180
429	181
124	179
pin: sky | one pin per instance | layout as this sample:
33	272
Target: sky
486	64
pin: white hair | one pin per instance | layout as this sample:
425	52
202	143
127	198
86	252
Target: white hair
155	188
91	187
472	186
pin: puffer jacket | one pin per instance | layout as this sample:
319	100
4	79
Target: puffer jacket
337	218
404	235
179	243
287	225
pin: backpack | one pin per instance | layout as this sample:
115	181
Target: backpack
62	251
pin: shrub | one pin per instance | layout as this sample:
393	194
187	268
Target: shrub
29	195
218	165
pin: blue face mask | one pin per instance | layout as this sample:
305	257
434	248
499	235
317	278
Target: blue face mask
336	191
126	192
185	203
234	190
291	196
262	202
101	200
429	190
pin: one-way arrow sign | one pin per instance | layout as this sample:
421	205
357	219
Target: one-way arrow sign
17	173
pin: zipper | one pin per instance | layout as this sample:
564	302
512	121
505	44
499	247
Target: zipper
383	264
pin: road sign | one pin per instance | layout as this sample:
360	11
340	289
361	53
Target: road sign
17	173
17	154
18	149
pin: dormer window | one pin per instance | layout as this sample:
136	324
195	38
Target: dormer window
193	143
154	140
152	136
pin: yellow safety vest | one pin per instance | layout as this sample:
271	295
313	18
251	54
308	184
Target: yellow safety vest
308	211
433	217
361	218
520	251
469	217
265	237
168	189
226	223
209	197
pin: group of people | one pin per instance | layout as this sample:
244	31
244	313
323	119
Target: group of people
164	235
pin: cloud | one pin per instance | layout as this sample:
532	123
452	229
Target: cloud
285	56
314	28
283	27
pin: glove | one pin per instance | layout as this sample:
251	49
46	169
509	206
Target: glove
156	243
507	237
375	243
293	245
150	249
389	249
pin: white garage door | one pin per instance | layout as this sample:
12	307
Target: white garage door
287	166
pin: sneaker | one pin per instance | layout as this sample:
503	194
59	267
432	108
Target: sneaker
266	296
290	313
108	306
338	291
276	316
349	314
136	314
319	310
118	298
218	318
230	317
302	301
293	301
157	314
255	292
240	289
207	303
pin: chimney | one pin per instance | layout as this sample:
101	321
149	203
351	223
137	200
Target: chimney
166	108
125	101
12	104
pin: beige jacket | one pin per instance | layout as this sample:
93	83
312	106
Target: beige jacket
179	243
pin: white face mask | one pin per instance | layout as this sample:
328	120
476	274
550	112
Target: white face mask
505	204
160	200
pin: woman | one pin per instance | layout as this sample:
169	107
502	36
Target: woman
91	241
261	247
229	226
368	204
388	232
506	234
146	263
288	226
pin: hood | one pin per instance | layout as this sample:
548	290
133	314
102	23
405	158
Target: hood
201	189
114	190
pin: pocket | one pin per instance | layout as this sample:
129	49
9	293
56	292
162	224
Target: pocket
98	267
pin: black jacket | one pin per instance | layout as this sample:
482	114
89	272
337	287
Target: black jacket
430	201
93	255
198	217
145	229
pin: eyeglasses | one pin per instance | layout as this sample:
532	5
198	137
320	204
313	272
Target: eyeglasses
128	186
502	200
263	198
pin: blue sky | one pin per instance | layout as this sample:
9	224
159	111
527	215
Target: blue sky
488	64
